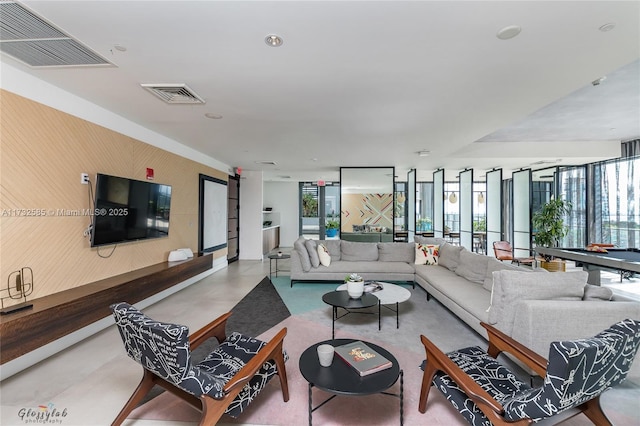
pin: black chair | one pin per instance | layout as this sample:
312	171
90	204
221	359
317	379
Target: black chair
485	392
224	382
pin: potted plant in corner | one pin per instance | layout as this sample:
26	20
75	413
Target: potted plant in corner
549	229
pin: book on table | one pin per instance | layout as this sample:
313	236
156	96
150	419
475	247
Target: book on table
372	286
362	358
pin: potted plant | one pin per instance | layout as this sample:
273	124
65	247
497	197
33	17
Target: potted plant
332	226
549	228
355	285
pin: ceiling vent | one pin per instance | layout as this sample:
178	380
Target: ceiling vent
30	39
174	93
267	163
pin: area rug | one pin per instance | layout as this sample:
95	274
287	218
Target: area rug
263	302
311	323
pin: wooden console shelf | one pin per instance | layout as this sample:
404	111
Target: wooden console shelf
59	314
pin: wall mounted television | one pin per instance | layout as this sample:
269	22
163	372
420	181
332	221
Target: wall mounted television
129	210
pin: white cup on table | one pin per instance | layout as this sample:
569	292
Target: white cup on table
325	355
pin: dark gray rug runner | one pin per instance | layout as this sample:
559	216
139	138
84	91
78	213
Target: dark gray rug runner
261	309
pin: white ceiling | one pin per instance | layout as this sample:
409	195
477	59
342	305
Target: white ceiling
364	83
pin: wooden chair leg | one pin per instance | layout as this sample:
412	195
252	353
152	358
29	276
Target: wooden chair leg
143	388
282	374
212	410
427	379
593	411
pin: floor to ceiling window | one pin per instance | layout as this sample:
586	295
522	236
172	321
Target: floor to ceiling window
615	212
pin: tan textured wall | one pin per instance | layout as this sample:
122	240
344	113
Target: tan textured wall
363	209
43	152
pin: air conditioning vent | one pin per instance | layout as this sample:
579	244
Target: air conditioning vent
30	39
266	163
174	93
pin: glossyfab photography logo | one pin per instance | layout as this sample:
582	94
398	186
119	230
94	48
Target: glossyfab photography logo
42	414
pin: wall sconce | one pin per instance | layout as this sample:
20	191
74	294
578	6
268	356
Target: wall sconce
453	198
481	198
401	198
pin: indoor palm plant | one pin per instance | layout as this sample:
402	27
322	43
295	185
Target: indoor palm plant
549	228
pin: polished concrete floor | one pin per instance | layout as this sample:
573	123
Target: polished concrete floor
92	380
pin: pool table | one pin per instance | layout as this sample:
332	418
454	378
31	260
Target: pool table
618	259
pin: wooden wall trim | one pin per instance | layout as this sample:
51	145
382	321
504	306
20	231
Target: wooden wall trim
60	314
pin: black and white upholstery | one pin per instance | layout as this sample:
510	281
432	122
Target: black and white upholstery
164	349
577	372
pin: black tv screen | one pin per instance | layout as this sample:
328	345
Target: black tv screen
129	210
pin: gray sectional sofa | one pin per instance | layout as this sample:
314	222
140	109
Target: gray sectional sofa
535	307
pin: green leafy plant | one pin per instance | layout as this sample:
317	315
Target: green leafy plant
353	277
480	225
548	223
332	224
309	206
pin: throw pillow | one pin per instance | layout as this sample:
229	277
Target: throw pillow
303	254
472	266
313	253
427	254
449	256
595	292
323	254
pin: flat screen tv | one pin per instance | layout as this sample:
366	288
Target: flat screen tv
129	210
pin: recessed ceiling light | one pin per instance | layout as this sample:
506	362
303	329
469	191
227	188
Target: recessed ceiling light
273	40
509	32
607	27
424	153
213	116
120	48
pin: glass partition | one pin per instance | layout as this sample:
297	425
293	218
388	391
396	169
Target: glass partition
411	213
466	209
572	184
521	213
438	203
367	201
493	201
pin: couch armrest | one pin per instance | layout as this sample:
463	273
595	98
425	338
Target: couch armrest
296	264
537	323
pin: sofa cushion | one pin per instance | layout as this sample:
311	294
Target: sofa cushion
358	251
313	253
510	287
495	265
396	252
333	246
449	256
300	247
323	255
595	292
426	254
472	266
428	240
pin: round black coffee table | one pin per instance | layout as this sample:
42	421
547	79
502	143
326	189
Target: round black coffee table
341	299
341	379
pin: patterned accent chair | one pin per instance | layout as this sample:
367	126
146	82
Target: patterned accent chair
226	381
486	393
